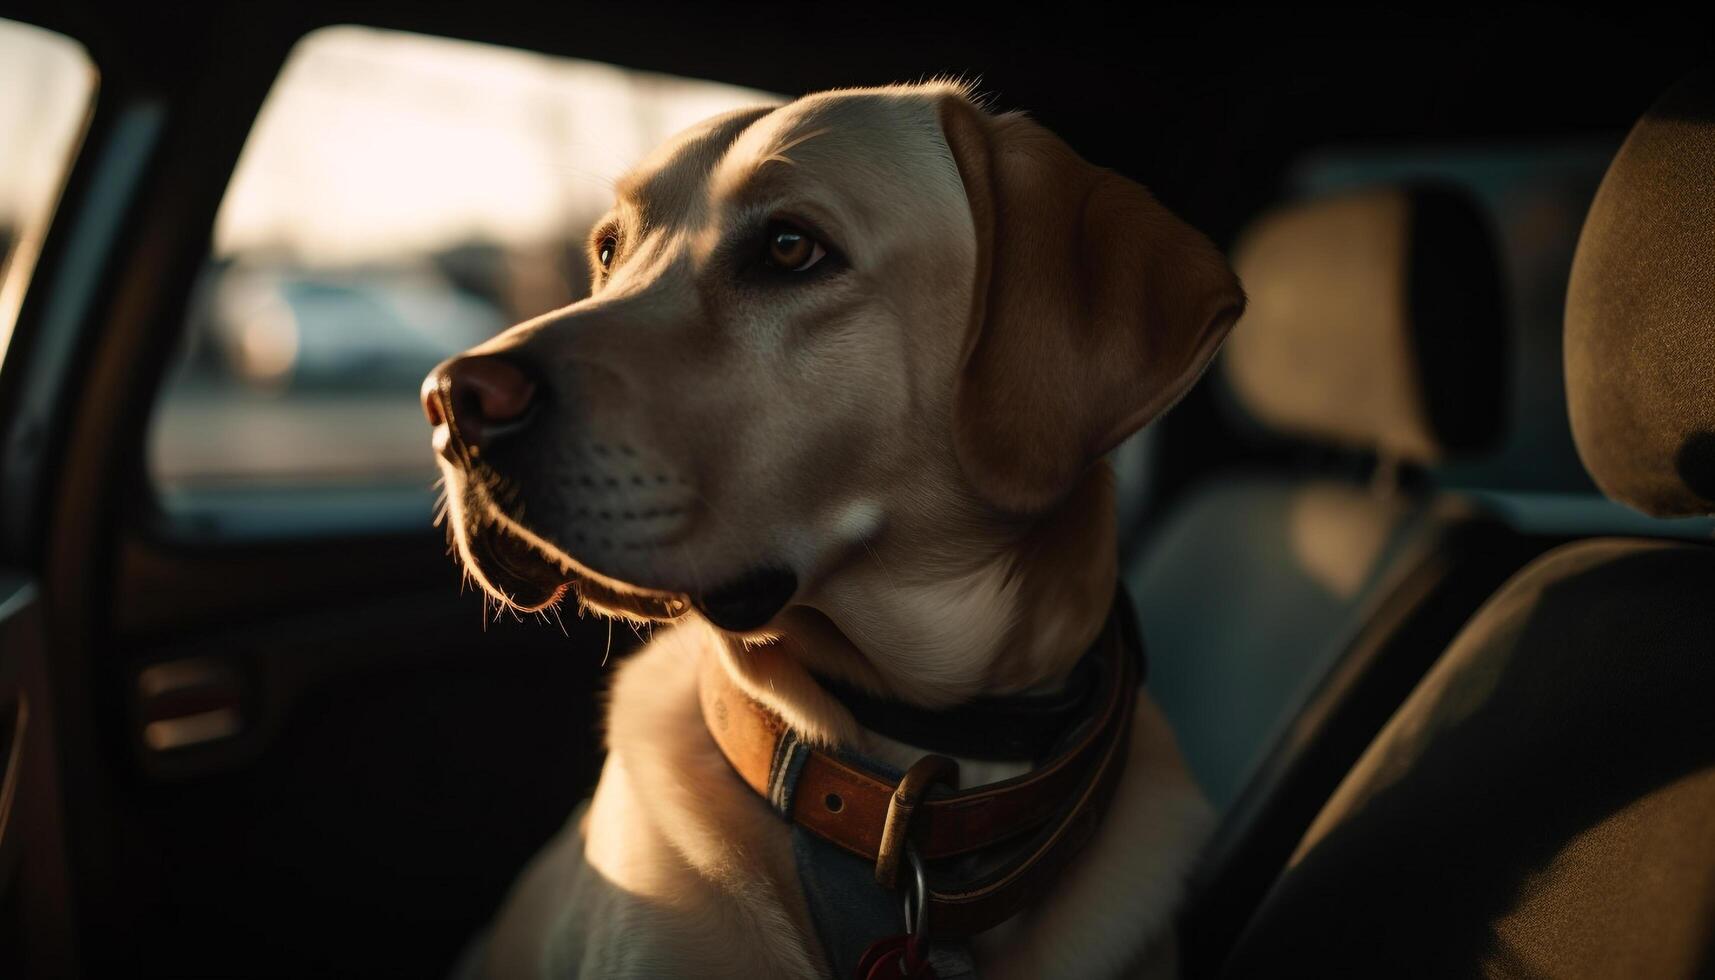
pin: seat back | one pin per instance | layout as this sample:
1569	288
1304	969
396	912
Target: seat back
1287	614
1544	803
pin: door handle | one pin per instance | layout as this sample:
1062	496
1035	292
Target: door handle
186	703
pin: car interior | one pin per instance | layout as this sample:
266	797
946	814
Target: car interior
1424	565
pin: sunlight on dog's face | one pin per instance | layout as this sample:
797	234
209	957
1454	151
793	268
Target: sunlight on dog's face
760	382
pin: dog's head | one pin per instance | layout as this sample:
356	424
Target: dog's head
877	327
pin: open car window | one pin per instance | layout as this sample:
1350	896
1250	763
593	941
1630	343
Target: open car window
46	85
400	198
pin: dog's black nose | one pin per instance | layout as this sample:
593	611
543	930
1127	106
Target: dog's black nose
481	396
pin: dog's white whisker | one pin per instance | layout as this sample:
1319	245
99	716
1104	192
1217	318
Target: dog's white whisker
696	571
778	153
887	575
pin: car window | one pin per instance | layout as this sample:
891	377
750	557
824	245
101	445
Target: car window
46	84
400	198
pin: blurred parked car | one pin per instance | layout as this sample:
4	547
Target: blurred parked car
276	329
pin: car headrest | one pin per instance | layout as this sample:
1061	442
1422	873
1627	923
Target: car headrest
1377	320
1640	313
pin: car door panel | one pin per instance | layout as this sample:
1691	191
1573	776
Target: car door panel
35	914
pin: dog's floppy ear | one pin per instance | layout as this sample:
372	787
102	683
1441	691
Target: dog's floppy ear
1095	309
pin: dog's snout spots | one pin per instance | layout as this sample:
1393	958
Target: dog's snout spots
617	499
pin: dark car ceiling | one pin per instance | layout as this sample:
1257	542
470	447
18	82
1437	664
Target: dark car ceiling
1206	105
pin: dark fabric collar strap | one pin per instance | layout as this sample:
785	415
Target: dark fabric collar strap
1002	729
992	729
1039	819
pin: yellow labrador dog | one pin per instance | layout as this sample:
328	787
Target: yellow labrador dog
837	408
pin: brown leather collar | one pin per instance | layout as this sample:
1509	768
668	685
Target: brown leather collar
1042	818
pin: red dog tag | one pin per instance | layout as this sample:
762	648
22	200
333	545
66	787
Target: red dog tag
895	957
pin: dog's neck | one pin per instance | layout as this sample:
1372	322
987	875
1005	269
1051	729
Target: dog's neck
1016	621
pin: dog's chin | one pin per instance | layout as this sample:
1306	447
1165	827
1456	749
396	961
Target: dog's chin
749	602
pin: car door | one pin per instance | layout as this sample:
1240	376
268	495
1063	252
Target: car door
46	85
286	739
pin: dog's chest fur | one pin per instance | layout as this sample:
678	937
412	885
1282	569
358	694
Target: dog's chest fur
675	868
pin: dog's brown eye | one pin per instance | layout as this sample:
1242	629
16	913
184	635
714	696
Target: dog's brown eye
604	251
791	248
